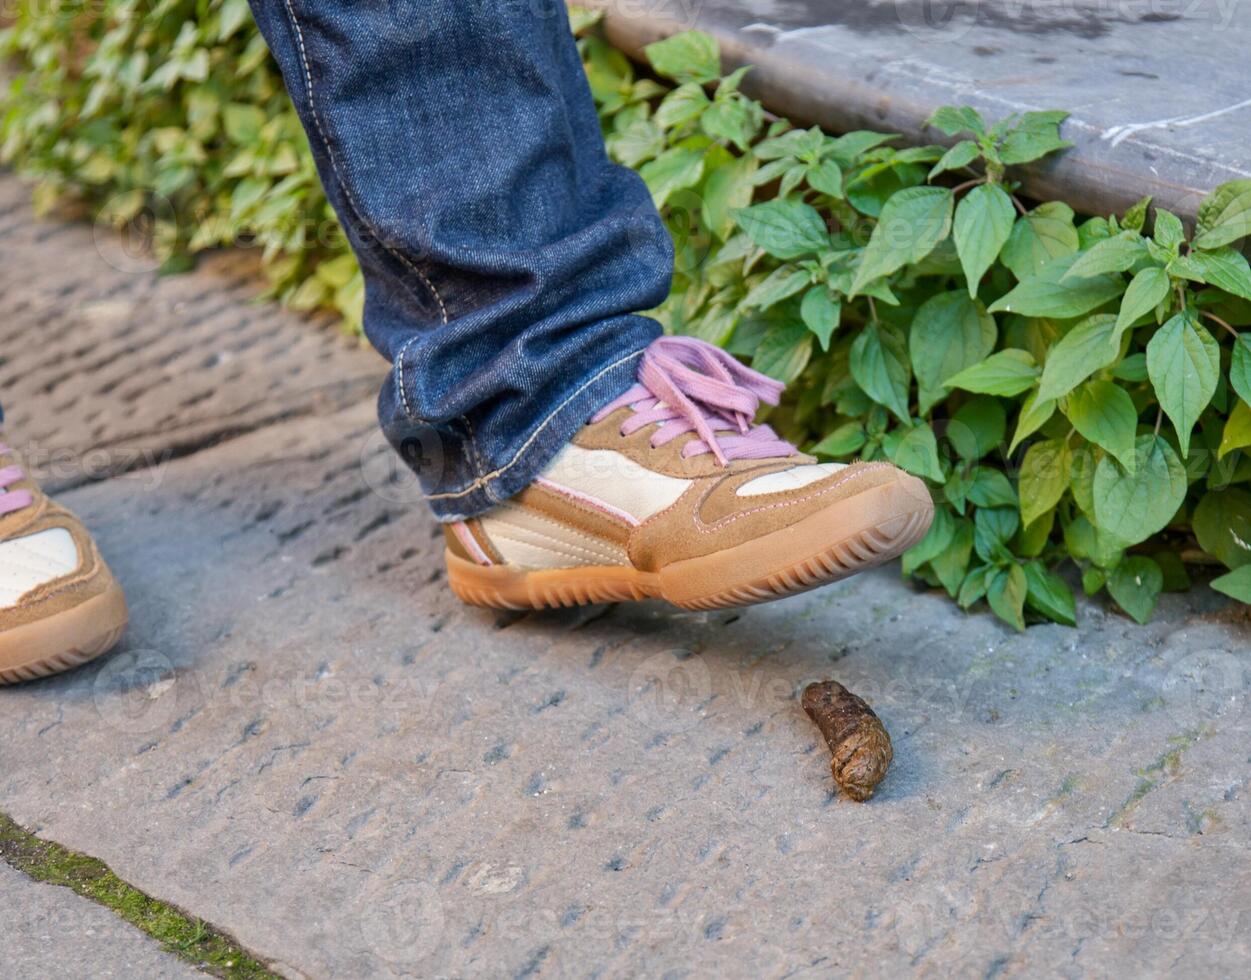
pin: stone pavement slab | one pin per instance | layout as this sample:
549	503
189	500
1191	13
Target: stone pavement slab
51	932
107	367
1158	91
306	741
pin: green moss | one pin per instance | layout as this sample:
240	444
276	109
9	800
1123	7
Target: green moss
1151	775
206	948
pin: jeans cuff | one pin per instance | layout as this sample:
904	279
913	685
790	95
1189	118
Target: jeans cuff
541	447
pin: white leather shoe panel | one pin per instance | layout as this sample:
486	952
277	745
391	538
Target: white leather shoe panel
607	477
792	479
34	560
530	540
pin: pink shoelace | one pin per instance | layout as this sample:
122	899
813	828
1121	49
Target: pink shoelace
687	385
11	500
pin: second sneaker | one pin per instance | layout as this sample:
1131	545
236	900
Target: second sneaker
59	604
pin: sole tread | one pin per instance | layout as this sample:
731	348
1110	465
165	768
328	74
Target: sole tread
66	660
553	588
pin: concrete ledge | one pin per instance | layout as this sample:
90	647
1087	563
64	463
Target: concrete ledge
1159	95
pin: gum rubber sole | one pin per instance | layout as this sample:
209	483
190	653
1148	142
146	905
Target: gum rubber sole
64	641
863	531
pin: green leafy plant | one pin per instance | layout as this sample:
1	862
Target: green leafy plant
1056	381
1077	392
171	115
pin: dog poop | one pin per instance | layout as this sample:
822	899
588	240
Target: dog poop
856	737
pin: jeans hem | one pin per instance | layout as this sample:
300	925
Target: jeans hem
548	438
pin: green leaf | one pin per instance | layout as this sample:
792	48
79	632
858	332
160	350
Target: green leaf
1046	295
1077	355
243	123
1240	367
960	155
234	14
1093	579
1110	255
672	171
879	365
949	333
821	312
1184	364
734	120
990	488
1006	595
1034	415
1225	215
950	565
782	282
1169	232
1136	216
1038	237
1174	570
1223	267
1104	413
1133	506
1222	525
983	222
1084	541
641	140
1237	431
937	539
1235	584
783	352
850	147
913	221
1049	595
827	178
684	104
1036	135
951	120
727	189
977	427
691	56
993	528
916	451
1144	293
1132	368
1136	584
1044	477
974	585
1007	373
843	441
786	228
1082	477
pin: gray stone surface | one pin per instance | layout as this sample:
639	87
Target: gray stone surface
51	932
1158	91
307	741
106	367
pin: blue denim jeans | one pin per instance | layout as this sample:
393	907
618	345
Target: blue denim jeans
505	256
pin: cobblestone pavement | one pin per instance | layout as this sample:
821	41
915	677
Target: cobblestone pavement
51	932
307	742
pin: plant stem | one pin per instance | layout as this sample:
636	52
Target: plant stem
1216	319
1019	206
967	184
872	310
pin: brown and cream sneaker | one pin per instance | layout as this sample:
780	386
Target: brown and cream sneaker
670	492
59	604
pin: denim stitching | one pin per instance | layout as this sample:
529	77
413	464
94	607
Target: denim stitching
473	446
399	377
489	477
347	190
